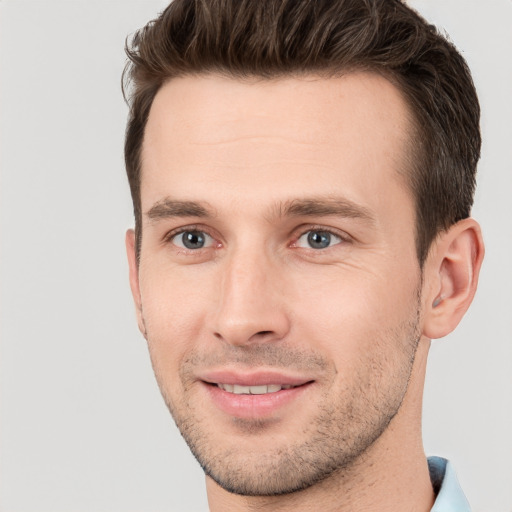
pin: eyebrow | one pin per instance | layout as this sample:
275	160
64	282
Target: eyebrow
168	208
338	206
308	207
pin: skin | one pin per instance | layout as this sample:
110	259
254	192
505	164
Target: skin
254	167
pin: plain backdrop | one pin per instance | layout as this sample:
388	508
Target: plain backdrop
83	426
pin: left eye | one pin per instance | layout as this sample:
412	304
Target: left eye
318	240
192	240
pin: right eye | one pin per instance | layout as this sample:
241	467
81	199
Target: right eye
318	239
192	240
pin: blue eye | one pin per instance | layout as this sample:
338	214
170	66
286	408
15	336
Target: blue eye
192	240
318	239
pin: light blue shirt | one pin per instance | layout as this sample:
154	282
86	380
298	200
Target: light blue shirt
450	497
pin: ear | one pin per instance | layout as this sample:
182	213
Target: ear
131	252
451	277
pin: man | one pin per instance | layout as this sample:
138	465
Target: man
302	174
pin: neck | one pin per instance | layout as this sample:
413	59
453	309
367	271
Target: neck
392	475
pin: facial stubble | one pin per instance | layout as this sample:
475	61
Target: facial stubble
346	425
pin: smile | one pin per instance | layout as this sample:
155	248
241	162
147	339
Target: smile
253	390
254	394
255	400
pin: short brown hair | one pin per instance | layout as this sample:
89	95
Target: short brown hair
274	38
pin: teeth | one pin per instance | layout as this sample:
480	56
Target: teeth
253	390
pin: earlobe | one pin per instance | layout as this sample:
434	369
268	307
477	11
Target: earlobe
131	253
452	270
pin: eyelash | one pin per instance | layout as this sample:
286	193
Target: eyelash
301	231
168	237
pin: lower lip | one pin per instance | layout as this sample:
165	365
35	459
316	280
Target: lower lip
254	406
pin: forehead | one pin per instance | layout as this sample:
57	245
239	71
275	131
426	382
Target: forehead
215	130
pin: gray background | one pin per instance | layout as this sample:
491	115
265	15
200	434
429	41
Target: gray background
83	427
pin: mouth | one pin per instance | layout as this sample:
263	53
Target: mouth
256	395
264	389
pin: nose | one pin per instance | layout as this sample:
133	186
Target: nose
251	303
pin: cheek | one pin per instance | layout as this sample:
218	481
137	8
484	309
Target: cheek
174	314
348	312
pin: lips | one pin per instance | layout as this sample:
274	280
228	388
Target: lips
238	389
255	395
252	378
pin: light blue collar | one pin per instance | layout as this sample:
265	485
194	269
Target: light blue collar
450	497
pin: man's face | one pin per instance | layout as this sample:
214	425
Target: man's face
278	283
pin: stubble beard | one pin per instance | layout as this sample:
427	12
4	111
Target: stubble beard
344	429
